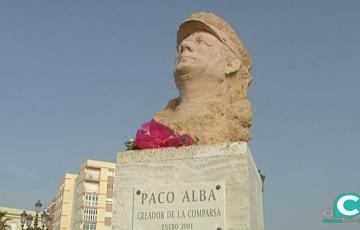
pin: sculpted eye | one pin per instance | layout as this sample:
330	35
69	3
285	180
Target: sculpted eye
202	41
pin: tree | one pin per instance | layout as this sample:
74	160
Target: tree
3	220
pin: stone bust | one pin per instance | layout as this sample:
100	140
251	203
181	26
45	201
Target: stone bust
212	74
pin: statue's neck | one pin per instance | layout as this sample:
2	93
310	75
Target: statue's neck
198	89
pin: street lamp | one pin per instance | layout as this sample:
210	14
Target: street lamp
27	219
45	219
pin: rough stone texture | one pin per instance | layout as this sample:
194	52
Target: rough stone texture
212	74
231	163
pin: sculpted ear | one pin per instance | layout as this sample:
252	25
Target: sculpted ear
232	66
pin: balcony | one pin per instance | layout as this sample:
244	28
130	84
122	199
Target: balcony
92	177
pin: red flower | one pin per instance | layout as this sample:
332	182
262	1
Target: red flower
155	135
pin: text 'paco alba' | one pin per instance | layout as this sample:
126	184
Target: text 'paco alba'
169	197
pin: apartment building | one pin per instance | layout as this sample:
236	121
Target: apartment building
62	210
51	211
91	198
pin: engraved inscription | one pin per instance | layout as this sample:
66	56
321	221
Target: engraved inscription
180	206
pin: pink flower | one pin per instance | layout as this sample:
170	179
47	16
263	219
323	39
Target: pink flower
155	135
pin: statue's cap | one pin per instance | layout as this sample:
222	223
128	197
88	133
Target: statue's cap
211	23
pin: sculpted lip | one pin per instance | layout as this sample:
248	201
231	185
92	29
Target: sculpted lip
186	57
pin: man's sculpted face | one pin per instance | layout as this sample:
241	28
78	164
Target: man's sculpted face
198	52
200	65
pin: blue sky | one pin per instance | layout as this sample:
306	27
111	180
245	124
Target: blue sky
77	79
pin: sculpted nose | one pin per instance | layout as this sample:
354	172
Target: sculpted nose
185	45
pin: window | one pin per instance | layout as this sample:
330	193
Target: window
61	187
92	187
12	226
92	174
89	226
91	200
90	214
111	173
110	186
79	188
109	200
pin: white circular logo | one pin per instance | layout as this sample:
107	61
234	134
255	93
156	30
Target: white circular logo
340	205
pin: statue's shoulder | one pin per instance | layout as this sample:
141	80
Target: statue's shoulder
167	112
172	104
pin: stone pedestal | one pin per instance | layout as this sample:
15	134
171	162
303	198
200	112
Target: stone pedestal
216	185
